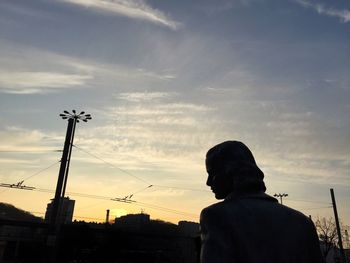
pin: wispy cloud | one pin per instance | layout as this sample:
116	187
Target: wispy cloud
26	70
22	82
17	139
142	96
343	15
136	9
159	133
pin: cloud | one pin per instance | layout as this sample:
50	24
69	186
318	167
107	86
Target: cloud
142	96
136	9
17	139
24	152
151	74
15	161
26	70
343	15
26	82
155	134
185	107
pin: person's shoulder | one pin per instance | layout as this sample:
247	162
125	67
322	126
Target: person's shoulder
213	210
293	212
218	210
295	216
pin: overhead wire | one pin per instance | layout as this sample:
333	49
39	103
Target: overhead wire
314	208
21	151
307	201
91	205
109	198
130	174
42	170
36	173
181	188
74	194
139	191
174	211
134	202
112	165
157	185
147	205
128	197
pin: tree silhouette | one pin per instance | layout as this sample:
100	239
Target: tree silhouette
327	233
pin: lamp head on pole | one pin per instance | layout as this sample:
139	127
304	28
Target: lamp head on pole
81	116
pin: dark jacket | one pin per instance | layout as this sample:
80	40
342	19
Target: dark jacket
254	228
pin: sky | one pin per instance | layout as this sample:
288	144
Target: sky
165	81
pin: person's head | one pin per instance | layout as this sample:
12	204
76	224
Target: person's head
231	167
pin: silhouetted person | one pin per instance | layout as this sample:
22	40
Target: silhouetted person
250	226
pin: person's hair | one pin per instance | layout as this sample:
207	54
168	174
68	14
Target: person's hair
235	159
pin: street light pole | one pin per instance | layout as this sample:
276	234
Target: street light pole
68	160
54	222
61	175
280	196
336	218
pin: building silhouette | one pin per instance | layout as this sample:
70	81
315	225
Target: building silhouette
132	221
188	228
133	238
66	210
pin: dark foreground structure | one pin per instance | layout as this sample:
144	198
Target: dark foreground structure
248	225
155	241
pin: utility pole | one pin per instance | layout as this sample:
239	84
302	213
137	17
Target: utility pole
340	242
54	223
107	217
281	196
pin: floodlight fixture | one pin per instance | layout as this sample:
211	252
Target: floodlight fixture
281	196
77	117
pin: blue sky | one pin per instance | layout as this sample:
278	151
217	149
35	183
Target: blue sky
164	82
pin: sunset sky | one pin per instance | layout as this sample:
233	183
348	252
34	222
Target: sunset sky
164	81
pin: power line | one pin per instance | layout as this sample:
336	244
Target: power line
91	205
133	202
38	172
307	201
166	209
130	174
316	208
19	185
120	169
29	151
42	170
74	194
181	188
147	205
139	191
138	178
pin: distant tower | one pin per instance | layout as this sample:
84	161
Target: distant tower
107	216
67	210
